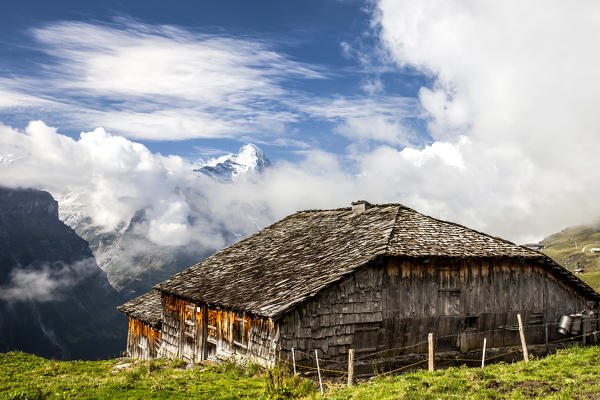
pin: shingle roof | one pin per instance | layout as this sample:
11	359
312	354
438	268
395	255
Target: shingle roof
147	308
282	265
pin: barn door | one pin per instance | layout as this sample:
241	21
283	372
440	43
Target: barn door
189	333
449	290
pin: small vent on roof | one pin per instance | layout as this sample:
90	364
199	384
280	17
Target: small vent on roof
360	206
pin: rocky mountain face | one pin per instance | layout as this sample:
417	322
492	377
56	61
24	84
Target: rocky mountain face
54	299
133	263
231	167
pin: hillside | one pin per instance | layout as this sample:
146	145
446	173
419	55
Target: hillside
570	374
571	249
54	300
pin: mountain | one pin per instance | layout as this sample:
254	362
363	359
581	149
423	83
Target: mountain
231	167
572	248
132	262
54	299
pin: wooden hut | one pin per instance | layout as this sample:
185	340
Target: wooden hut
143	336
367	277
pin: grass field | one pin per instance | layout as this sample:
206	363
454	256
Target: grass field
24	376
570	374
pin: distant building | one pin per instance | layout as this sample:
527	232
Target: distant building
578	271
595	250
534	246
367	277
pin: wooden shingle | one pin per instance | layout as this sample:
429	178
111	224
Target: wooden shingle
146	308
282	265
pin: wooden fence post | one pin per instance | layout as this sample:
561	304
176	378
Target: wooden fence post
483	354
319	371
546	339
350	367
523	343
294	360
431	344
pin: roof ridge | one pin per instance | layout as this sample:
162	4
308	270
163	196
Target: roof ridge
350	208
391	235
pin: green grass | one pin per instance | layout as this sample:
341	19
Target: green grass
24	376
570	374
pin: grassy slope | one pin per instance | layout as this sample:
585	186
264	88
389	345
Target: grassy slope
561	248
570	374
24	376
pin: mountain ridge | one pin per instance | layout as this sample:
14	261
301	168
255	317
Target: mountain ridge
54	299
134	263
250	159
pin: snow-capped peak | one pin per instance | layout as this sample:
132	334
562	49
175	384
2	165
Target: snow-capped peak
230	167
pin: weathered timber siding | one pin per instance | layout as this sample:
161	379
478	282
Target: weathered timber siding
396	302
143	341
347	315
172	315
243	336
458	298
195	332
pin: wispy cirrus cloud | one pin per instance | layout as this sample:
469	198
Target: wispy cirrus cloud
159	82
380	119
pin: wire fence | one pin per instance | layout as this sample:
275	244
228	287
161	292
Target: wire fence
391	358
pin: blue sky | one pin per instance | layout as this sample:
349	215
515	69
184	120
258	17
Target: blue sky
333	39
483	113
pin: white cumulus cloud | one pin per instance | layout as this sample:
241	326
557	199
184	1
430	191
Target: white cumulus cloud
518	79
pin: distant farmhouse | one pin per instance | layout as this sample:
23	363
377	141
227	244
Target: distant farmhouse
534	246
366	277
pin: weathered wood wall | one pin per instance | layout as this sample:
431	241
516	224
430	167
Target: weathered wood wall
395	302
195	332
172	314
347	315
143	341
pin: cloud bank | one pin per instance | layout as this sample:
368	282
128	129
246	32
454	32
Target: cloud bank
519	81
110	178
